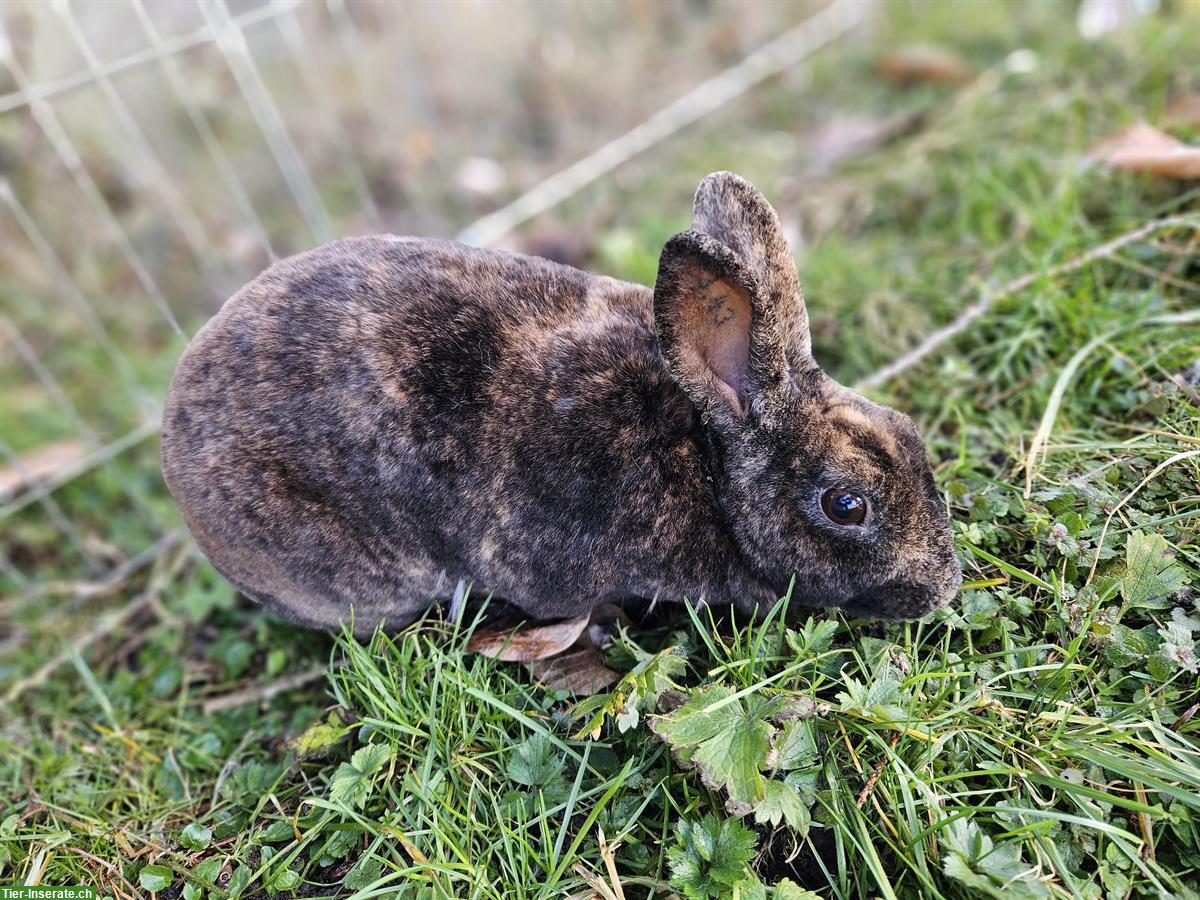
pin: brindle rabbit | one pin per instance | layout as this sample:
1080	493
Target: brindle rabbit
368	423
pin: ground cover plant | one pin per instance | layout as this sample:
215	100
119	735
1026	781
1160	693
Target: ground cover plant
1039	739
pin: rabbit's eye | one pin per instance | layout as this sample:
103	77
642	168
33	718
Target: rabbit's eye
843	507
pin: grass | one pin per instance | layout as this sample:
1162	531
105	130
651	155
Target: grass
1039	739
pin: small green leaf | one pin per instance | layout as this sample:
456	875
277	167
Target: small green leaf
195	837
535	762
813	639
352	782
795	748
279	830
209	870
1159	667
286	880
1151	572
750	889
1126	648
364	873
782	803
994	870
339	844
732	760
371	758
705	715
787	889
878	701
239	880
155	878
637	692
710	856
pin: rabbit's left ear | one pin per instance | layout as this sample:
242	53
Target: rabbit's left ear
727	305
732	211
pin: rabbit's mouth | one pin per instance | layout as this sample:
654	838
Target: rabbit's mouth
899	601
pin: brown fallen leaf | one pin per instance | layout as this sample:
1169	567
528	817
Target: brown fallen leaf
923	64
581	672
536	640
1145	150
844	137
1183	110
38	466
564	655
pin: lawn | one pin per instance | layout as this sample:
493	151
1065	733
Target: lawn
1040	738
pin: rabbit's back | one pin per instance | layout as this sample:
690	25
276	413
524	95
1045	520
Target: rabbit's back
367	423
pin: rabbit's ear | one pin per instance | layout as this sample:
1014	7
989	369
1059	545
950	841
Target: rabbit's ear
727	305
732	211
718	339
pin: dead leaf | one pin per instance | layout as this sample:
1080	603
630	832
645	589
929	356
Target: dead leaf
1145	150
1183	110
581	672
924	64
844	137
802	708
409	846
40	465
545	648
537	640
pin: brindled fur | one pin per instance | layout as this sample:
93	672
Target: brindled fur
366	424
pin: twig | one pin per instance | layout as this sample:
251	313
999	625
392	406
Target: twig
1178	457
105	864
595	882
983	304
1151	272
106	623
870	785
262	693
1145	826
608	852
1155	432
770	59
1039	444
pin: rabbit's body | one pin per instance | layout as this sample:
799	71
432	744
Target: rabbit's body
367	424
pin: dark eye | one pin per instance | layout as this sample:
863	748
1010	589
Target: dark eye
843	507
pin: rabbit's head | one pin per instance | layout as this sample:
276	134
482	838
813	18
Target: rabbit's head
815	481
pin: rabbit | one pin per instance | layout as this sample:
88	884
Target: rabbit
369	424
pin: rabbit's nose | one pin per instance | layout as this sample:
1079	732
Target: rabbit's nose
897	601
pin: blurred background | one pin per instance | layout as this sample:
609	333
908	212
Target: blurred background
947	171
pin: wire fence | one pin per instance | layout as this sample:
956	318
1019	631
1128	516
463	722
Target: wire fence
33	108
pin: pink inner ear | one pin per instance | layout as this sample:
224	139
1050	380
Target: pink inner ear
724	339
